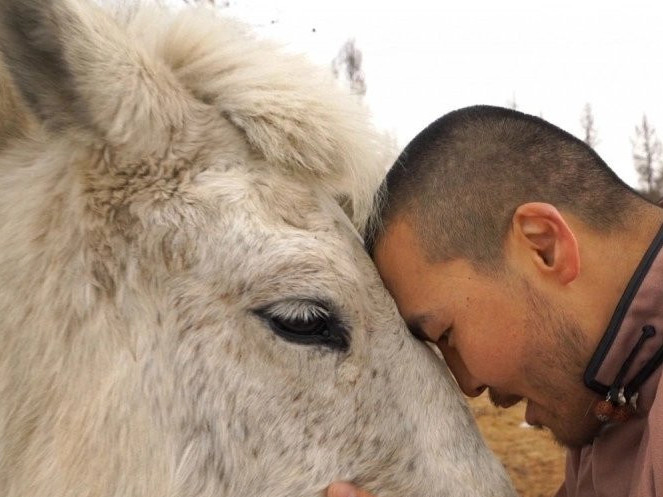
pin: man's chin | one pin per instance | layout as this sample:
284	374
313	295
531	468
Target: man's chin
574	436
578	437
572	443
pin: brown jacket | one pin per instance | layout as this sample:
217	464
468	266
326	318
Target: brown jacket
626	459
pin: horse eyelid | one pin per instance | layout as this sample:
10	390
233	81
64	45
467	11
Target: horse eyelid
336	337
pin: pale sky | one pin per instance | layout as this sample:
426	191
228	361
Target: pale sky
423	58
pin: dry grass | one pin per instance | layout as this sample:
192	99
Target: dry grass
534	461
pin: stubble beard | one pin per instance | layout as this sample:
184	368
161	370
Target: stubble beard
557	356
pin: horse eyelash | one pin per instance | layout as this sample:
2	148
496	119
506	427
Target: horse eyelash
298	310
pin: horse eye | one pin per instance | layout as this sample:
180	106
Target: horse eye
313	328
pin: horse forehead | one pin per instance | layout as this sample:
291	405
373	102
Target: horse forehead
301	229
267	198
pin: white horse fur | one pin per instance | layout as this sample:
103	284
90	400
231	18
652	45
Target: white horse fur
170	208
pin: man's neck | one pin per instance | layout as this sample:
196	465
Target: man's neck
610	262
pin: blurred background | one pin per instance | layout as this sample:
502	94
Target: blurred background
593	68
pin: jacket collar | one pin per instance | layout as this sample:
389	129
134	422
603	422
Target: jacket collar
629	353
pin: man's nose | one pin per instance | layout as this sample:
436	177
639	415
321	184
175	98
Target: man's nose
467	383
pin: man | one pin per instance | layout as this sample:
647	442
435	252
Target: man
511	245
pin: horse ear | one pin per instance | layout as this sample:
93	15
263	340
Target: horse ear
75	67
305	125
15	119
291	112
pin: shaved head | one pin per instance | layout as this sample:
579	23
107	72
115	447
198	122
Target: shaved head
460	180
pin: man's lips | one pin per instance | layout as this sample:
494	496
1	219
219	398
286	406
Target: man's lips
503	400
505	404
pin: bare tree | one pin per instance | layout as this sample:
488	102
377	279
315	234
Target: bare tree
647	159
512	103
588	126
347	65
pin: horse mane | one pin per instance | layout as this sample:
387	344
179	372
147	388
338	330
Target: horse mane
292	112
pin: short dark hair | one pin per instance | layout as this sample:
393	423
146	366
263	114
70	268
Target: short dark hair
460	180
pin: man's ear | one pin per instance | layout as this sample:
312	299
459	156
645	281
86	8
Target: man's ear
540	233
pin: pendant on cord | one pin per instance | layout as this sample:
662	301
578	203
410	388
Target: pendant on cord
621	401
616	410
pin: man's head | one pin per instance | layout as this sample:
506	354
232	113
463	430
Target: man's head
477	235
461	179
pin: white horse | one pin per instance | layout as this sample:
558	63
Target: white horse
185	307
